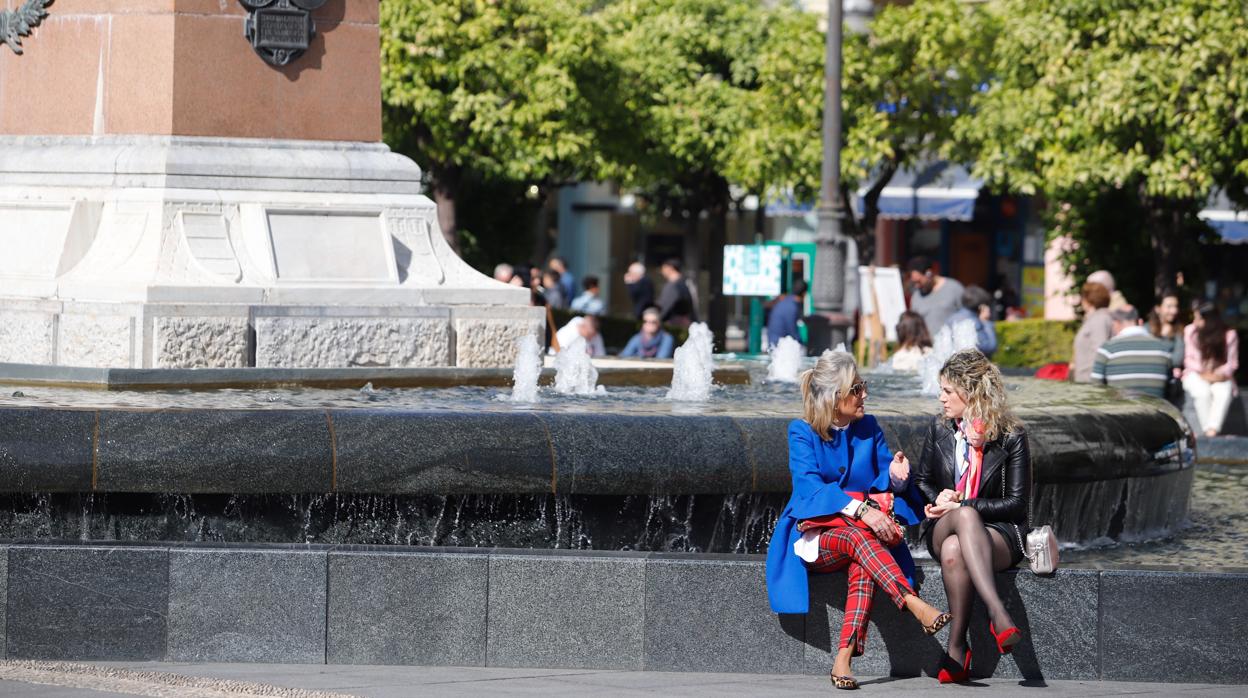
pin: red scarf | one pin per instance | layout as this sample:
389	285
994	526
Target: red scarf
968	484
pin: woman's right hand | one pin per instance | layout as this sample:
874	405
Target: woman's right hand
938	510
881	525
947	496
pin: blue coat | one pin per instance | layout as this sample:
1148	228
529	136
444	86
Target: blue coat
853	460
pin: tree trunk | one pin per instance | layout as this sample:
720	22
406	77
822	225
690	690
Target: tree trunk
1165	226
717	304
445	184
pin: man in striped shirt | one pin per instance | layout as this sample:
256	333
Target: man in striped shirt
1133	359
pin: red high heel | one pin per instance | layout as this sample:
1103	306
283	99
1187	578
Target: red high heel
1006	639
950	672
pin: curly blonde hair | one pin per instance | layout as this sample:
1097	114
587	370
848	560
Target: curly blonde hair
978	382
823	386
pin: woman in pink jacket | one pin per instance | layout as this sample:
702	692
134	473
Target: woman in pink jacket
1210	359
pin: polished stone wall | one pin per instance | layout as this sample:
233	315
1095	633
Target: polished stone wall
662	612
399	451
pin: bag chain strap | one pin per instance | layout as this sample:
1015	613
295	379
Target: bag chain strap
1018	534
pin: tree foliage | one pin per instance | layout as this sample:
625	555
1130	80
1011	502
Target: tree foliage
711	93
699	84
906	85
489	86
1092	97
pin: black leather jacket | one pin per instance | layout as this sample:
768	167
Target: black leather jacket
1007	456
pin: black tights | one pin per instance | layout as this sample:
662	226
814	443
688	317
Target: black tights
969	554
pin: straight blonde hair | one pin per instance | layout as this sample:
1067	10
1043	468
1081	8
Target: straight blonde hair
978	382
823	387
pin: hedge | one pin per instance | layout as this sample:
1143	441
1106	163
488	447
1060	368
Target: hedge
1033	343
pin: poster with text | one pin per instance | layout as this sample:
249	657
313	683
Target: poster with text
752	270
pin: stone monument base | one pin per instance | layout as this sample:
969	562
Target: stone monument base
186	252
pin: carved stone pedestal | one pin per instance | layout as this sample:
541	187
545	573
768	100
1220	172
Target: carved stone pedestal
159	251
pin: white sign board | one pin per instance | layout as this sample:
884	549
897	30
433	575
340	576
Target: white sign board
888	292
752	270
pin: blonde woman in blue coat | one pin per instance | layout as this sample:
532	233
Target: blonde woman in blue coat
837	451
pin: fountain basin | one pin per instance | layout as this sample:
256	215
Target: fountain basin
1105	465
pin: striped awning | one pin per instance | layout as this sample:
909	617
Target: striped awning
1222	216
938	190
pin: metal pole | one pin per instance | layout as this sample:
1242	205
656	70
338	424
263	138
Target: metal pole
827	326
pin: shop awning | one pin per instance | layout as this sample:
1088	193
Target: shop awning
1222	216
938	190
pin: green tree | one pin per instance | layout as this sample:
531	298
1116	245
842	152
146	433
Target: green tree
905	86
489	89
709	94
1096	96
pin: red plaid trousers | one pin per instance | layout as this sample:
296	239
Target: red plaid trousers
869	564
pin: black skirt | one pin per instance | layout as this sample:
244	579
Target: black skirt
1012	533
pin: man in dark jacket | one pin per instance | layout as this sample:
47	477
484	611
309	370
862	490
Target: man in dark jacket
640	289
676	302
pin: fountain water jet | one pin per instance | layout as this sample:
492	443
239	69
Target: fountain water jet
786	360
574	371
944	344
693	367
528	369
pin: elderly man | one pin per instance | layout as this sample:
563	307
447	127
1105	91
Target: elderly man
652	342
585	327
640	288
1106	279
503	272
1133	359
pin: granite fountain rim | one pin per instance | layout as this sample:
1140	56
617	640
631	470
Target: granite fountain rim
637	373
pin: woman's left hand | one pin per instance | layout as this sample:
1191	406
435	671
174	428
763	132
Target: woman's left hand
899	469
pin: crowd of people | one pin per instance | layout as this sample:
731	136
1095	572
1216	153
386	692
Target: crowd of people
1158	355
557	288
1161	355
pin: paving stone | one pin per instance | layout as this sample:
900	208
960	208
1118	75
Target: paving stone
230	605
87	603
1173	627
407	608
704	615
555	611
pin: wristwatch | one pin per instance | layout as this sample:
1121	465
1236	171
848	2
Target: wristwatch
862	509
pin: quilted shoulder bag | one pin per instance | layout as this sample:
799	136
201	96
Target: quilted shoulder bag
1041	546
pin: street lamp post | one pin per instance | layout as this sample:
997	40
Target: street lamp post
829	325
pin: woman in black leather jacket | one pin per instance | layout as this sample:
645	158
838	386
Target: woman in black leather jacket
975	474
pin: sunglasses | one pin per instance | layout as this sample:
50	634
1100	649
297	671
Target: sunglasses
858	389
